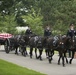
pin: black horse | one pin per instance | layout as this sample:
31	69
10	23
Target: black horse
36	42
41	44
23	43
63	45
33	44
72	47
50	48
59	44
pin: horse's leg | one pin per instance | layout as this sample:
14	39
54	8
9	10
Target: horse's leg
50	55
73	52
41	54
36	52
22	48
63	62
46	51
31	49
66	57
24	51
52	52
60	55
16	52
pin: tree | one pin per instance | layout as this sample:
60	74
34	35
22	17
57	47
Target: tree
56	13
8	24
34	20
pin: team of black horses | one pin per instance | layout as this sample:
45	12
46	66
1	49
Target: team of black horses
60	43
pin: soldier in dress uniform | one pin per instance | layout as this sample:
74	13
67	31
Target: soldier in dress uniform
28	31
47	31
71	32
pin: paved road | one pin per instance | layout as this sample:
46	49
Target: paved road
40	66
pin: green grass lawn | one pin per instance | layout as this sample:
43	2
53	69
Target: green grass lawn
7	68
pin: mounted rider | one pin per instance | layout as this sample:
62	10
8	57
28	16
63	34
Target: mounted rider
47	31
28	31
71	32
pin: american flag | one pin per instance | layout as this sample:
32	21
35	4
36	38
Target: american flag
5	35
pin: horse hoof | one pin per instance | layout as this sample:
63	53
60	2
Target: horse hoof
24	55
47	57
38	57
41	59
70	62
51	58
31	57
67	62
58	63
27	54
63	65
16	53
50	61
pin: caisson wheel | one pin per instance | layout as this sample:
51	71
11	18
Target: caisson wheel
7	46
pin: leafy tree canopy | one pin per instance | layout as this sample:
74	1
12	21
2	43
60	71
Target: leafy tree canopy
38	13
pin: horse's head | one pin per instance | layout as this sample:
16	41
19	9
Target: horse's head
40	42
62	41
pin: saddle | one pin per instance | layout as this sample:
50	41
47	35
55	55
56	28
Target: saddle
55	40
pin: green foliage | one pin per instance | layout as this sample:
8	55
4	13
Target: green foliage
34	20
39	13
58	14
59	28
8	24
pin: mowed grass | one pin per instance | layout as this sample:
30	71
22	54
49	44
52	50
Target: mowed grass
7	68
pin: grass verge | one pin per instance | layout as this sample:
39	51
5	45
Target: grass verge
7	68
